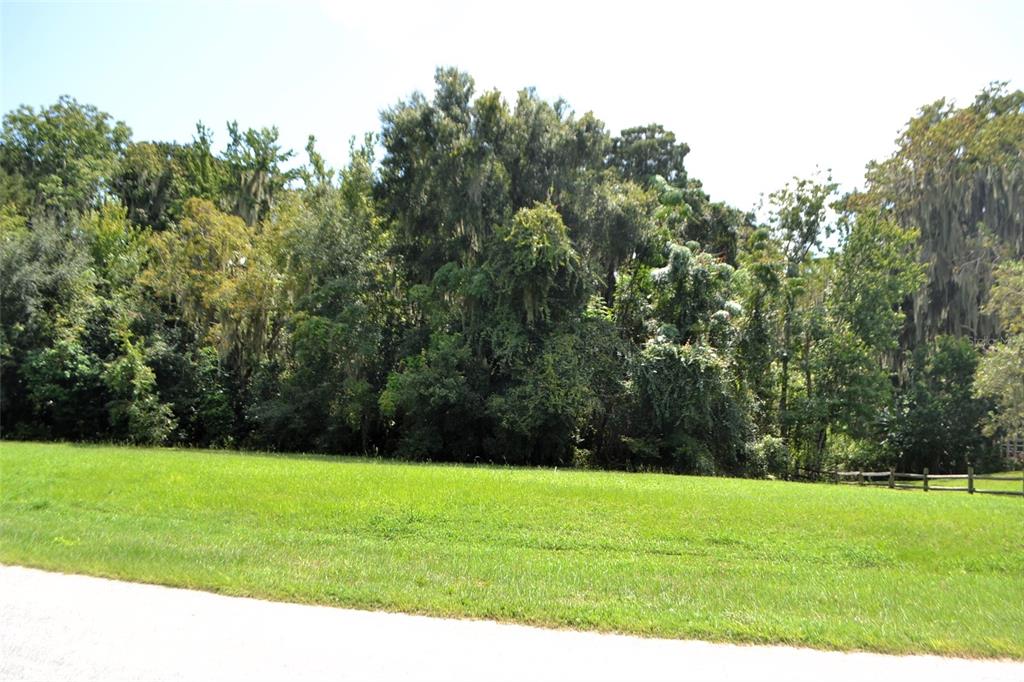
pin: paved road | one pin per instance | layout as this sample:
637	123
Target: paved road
69	627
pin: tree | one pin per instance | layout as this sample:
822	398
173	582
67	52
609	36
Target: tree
442	180
651	157
46	292
513	284
1001	370
615	223
64	155
938	421
73	366
204	176
799	221
854	359
536	271
643	152
758	285
217	282
332	250
149	182
433	397
877	267
957	177
1000	378
681	410
197	263
543	414
456	167
255	177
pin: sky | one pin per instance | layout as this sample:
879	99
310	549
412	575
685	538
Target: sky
761	91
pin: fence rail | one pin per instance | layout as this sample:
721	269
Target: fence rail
892	478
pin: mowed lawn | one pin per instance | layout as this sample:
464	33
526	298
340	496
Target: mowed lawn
711	558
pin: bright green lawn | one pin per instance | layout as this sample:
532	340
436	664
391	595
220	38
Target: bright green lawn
721	559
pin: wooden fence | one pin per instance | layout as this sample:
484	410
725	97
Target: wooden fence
895	479
1013	449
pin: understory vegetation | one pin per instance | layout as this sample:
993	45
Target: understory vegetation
826	566
507	281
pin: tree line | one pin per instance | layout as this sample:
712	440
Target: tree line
510	282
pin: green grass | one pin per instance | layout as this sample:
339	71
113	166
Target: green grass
720	559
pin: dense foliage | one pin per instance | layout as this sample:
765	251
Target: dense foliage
510	282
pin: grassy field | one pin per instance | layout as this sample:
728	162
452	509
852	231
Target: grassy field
720	559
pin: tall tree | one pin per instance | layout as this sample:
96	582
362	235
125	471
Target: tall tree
64	155
331	248
1001	370
643	152
958	177
799	221
256	178
148	181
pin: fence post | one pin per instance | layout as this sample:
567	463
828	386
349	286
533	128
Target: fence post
892	477
860	478
970	480
926	479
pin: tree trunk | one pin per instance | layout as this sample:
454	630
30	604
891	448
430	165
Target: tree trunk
787	331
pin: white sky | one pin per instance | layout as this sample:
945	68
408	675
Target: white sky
760	91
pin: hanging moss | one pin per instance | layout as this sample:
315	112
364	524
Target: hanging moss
958	177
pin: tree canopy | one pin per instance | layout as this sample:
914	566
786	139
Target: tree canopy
511	282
